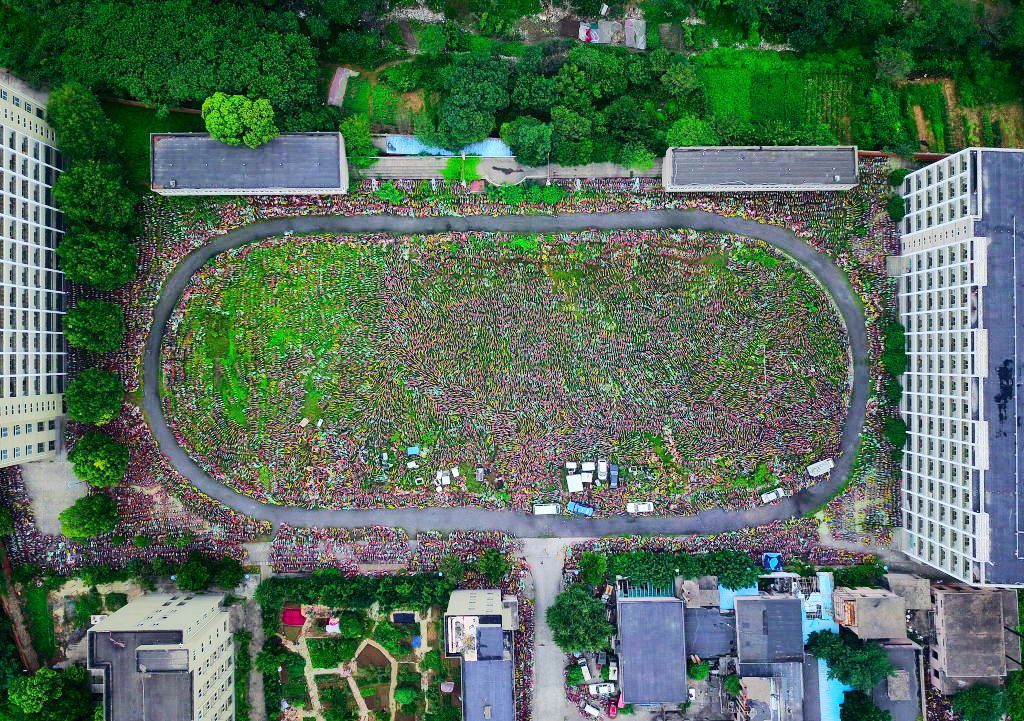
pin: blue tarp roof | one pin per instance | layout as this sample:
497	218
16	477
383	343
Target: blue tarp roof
411	145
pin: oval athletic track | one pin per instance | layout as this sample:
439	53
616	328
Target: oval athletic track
524	525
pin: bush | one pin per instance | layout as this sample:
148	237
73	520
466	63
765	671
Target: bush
573	675
699	671
493	565
359	147
94	396
390	193
858	706
691	131
732	685
405	695
593	567
95	325
115	600
897	176
895	431
98	459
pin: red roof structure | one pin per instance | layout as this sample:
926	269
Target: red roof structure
292	617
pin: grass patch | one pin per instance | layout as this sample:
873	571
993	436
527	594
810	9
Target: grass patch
932	101
137	123
329	652
40	622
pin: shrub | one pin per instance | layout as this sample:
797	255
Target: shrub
115	600
390	193
94	396
690	131
493	565
330	652
732	685
405	695
573	675
699	671
897	176
895	431
95	325
896	207
593	567
359	147
858	706
98	459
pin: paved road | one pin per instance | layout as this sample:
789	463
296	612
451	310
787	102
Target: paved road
416	520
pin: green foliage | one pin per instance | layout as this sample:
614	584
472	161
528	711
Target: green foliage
577	621
897	176
403	77
593	568
100	259
93	192
52	695
235	119
529	138
894	353
895	430
896	207
98	459
432	40
469	115
636	157
732	685
892	391
359	147
330	652
94	396
571	137
87	605
390	193
6	523
461	169
199	571
573	675
392	637
452	567
734	569
980	703
83	131
89	516
699	671
867	575
1015	695
243	665
95	325
690	131
114	601
859	706
860	664
493	565
405	695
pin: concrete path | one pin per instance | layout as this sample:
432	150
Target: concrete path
415	520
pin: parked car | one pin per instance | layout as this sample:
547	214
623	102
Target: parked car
613	709
640	507
580	509
585	668
613	670
601	689
602	470
546	509
613	476
772	496
602	659
591	710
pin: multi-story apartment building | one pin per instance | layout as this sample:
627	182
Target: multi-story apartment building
31	289
165	657
958	300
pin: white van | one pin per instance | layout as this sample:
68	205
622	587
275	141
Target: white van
546	509
640	507
591	710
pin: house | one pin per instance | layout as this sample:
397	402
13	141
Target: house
759	169
165	656
290	164
770	658
915	591
478	626
651	644
975	641
871	613
902	693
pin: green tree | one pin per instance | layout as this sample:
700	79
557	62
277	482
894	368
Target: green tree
452	567
573	675
94	193
94	396
895	430
893	62
52	695
636	157
529	138
95	325
858	706
690	131
100	259
6	522
681	81
432	39
236	119
98	459
228	573
894	353
83	131
593	568
89	516
359	147
493	565
578	622
602	70
571	137
195	574
980	703
860	664
732	685
896	207
699	671
405	695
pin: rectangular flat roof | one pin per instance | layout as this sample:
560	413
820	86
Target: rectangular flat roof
652	650
1002	184
900	694
760	168
195	163
132	695
487	685
769	630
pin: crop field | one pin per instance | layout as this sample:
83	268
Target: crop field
329	370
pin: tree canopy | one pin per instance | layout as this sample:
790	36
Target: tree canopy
52	695
858	706
980	703
83	131
94	396
95	325
529	138
93	193
493	565
860	664
235	119
578	621
89	516
98	459
103	260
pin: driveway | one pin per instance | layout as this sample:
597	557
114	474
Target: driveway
415	520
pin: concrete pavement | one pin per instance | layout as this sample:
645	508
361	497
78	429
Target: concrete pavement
415	520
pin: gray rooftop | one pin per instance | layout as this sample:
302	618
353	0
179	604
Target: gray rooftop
195	163
487	684
769	629
490	643
760	168
1003	201
134	696
786	702
652	650
900	694
915	591
710	633
970	627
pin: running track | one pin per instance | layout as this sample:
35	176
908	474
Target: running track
415	520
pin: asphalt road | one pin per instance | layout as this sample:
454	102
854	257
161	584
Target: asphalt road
415	520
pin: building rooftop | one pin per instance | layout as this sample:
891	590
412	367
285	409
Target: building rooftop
652	650
769	629
1002	204
160	693
760	168
775	691
970	631
871	613
900	693
196	164
487	691
915	591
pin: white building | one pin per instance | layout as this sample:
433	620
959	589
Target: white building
165	657
32	289
958	300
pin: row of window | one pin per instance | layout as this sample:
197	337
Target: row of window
37	427
40	448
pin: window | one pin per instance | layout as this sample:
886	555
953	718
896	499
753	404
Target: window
17	430
3	432
17	453
28	450
3	454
